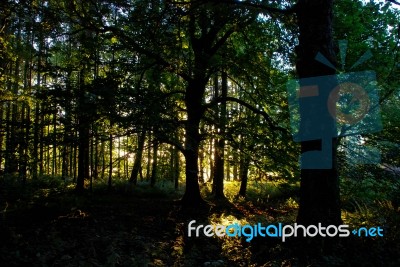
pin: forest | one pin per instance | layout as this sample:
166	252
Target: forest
128	129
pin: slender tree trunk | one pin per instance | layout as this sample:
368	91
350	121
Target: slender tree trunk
48	158
22	145
176	167
96	154
154	164
227	167
74	157
218	185
8	133
103	159
37	119
12	143
319	189
68	134
2	130
148	166
35	149
26	141
212	169
138	158
82	151
41	138
201	167
92	155
83	138
235	167
54	158
119	158
25	118
243	173
110	166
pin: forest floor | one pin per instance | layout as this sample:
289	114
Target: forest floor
59	228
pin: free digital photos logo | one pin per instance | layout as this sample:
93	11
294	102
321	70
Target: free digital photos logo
326	107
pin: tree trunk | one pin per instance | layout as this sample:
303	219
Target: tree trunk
37	121
319	188
211	177
82	152
23	143
201	162
54	166
176	167
138	158
96	153
193	100
154	164
2	130
218	185
235	168
243	173
11	164
103	158
110	166
83	128
148	166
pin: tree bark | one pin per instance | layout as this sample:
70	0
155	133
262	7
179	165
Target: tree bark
110	161
138	158
176	167
2	130
193	100
243	173
154	164
319	189
218	184
83	143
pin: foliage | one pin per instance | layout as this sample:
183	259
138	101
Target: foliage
83	82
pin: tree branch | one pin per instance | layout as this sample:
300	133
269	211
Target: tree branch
260	7
265	115
394	2
247	4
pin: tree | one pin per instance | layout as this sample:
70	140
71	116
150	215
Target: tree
319	189
218	179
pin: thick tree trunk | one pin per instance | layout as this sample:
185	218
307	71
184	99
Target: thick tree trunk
193	100
319	189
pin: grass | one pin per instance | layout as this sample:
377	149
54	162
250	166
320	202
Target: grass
143	226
